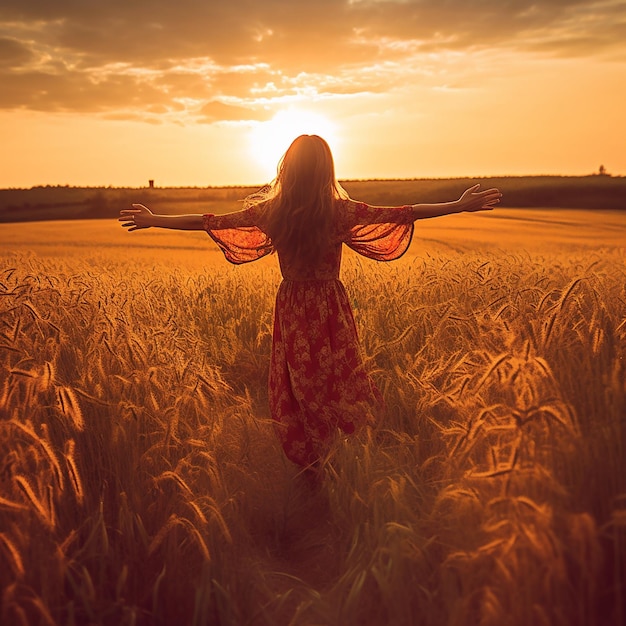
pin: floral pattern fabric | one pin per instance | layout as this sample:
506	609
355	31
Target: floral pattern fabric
317	383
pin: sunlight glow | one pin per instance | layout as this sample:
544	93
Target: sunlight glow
269	140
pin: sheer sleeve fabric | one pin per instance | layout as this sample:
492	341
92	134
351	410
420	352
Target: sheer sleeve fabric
239	235
380	233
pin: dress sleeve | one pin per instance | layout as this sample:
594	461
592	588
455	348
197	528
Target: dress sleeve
238	235
380	233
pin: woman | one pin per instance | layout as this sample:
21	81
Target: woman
317	381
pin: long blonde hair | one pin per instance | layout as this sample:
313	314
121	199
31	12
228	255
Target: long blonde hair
301	200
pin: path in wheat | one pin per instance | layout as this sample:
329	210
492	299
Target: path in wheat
297	527
302	551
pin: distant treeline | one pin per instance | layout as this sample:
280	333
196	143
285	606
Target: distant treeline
64	202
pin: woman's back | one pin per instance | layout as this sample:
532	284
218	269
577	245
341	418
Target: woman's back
325	263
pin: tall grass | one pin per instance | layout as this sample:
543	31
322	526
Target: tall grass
141	481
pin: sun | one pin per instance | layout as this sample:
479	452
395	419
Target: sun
269	140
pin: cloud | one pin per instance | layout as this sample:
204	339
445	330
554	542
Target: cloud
14	53
216	111
214	61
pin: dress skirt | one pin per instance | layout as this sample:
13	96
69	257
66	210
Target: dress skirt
317	385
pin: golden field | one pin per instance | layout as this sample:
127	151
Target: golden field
141	483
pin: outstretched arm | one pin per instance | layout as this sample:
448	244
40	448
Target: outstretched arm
141	216
471	200
384	233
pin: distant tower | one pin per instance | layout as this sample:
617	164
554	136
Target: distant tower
151	183
602	170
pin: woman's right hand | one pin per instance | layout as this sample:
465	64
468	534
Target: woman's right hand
138	217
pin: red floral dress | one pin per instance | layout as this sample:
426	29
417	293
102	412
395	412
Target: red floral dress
317	381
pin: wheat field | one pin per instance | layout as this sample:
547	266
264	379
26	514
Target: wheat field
141	481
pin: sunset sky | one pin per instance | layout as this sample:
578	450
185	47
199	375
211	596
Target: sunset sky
207	92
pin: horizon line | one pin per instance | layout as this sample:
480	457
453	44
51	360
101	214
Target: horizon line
340	180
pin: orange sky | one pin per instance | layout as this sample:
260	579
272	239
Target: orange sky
199	92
